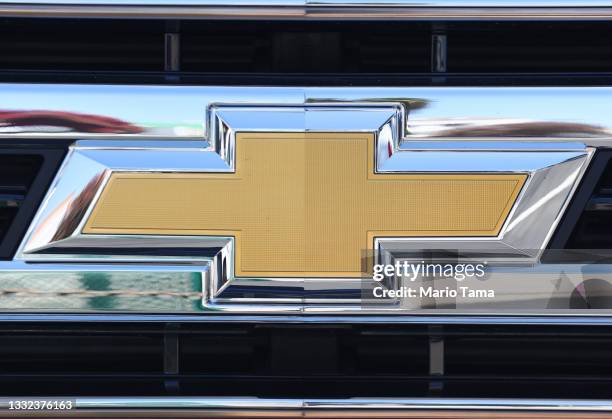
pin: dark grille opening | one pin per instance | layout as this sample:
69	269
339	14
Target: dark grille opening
68	354
274	361
282	352
184	51
112	45
594	227
25	173
338	49
528	356
529	48
585	233
17	172
214	47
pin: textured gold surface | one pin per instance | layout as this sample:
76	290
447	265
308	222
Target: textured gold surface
304	204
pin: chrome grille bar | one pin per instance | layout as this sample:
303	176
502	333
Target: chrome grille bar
317	9
437	115
319	408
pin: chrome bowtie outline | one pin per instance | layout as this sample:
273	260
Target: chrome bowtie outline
553	161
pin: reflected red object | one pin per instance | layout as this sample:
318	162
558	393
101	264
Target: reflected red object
523	129
74	121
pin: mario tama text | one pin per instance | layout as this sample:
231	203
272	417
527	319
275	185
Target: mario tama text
423	291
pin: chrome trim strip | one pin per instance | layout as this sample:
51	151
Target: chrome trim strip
356	403
314	405
316	9
173	291
449	115
586	319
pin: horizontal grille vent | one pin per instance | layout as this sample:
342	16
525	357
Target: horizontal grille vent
112	45
213	47
338	49
283	361
530	48
24	175
157	49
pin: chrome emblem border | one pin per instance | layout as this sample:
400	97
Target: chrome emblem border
554	168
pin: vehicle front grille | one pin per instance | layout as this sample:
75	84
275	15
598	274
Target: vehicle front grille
81	45
300	361
213	355
529	48
192	51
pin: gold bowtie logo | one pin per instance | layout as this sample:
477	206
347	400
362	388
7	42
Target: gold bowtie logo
304	204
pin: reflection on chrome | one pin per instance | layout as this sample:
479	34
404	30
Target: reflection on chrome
544	200
460	113
53	121
487	128
77	207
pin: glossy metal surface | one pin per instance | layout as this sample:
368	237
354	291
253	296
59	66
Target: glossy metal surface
434	113
543	132
349	407
316	9
173	291
543	318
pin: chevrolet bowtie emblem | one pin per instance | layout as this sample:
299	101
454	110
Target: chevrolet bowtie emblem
304	204
284	207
